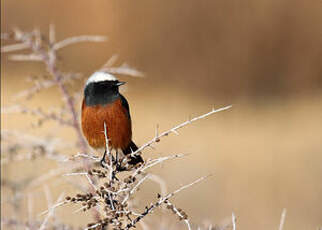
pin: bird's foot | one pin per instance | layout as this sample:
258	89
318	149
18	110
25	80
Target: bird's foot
103	161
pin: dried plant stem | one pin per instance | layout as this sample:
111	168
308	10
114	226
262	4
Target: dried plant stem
154	162
14	47
37	112
83	155
174	129
51	212
75	121
109	154
161	201
134	189
233	221
282	221
179	214
78	39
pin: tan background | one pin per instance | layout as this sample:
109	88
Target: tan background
264	57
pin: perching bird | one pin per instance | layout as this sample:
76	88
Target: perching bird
103	103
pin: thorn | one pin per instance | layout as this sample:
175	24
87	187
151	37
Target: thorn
176	132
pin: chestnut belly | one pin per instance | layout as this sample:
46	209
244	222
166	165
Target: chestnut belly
117	122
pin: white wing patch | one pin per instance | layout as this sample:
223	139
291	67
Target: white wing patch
100	76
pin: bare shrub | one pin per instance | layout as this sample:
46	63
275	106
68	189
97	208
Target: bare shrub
109	194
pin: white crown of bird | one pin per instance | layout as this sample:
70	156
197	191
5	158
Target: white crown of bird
100	76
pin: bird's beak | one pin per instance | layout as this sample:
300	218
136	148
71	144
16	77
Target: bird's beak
120	83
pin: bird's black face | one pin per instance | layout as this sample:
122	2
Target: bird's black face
102	92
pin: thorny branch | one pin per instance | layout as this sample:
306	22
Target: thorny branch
115	197
50	213
174	129
46	53
48	56
44	116
282	221
179	212
161	201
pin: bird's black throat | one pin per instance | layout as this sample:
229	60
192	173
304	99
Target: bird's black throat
101	93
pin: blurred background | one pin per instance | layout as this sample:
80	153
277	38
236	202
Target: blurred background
264	57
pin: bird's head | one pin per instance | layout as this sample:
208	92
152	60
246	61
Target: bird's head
101	88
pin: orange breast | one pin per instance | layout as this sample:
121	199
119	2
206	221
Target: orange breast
117	122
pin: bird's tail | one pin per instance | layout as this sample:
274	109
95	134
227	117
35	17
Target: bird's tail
133	159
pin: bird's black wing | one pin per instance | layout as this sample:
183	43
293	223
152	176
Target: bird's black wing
125	104
132	146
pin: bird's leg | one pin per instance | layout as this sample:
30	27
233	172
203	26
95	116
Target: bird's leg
117	157
103	161
117	161
119	166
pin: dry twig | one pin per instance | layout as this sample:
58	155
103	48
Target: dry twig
174	129
282	221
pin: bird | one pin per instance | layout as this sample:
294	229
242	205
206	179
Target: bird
102	105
